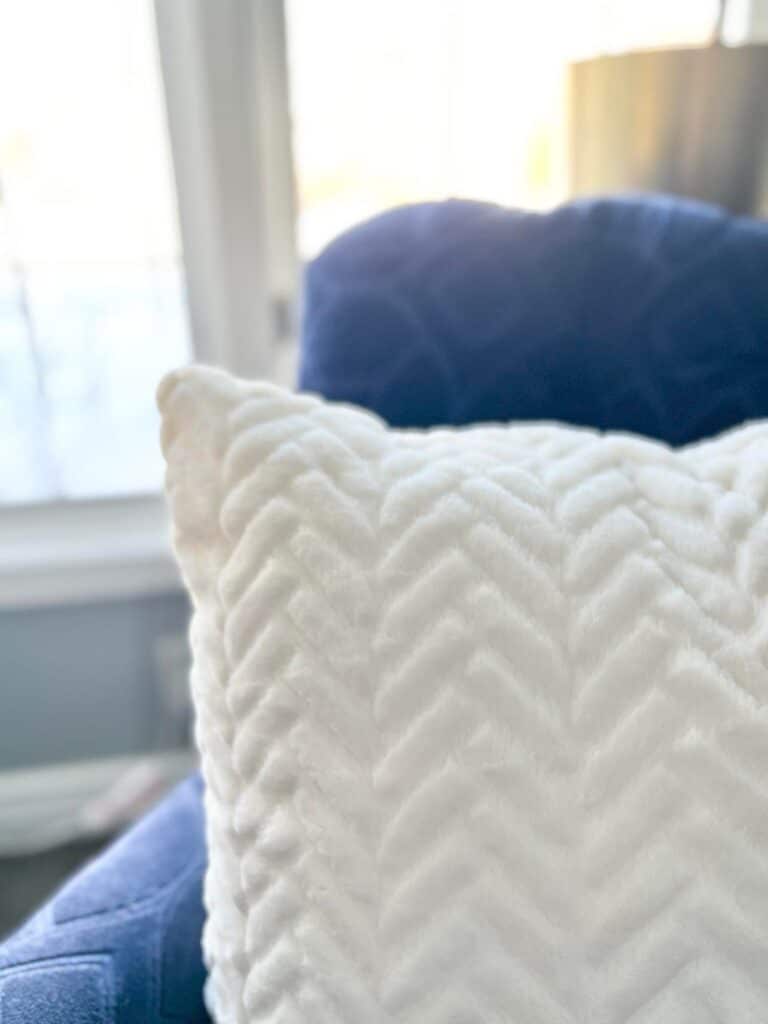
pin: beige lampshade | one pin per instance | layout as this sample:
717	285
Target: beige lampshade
686	121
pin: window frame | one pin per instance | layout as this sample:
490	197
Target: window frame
225	70
225	77
61	552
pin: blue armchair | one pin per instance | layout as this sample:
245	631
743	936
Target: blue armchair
649	315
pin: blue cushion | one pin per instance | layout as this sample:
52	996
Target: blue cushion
646	315
649	315
121	941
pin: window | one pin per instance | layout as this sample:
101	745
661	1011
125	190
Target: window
400	101
92	307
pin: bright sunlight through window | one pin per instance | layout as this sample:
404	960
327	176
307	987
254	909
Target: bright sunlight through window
405	101
91	297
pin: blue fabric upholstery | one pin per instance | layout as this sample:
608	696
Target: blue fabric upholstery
121	941
649	315
646	315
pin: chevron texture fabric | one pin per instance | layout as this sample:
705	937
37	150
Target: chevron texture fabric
481	713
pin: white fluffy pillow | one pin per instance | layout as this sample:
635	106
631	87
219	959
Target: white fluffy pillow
481	715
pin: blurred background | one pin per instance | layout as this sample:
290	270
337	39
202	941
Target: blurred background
166	169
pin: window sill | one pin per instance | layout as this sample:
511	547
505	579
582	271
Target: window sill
79	551
43	807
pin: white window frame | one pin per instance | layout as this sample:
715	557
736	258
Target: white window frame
62	552
225	74
755	21
225	70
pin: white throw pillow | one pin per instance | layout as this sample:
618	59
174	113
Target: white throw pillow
481	714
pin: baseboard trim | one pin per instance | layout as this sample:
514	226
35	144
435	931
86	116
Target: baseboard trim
41	808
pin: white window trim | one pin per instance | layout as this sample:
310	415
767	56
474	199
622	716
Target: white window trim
225	71
225	75
43	807
63	552
755	21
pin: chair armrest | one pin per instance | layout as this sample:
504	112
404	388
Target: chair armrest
120	942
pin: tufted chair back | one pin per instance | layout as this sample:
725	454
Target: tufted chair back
641	314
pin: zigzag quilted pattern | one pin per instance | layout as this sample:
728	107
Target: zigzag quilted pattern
482	715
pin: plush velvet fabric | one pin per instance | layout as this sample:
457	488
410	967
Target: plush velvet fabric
121	941
481	712
649	315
